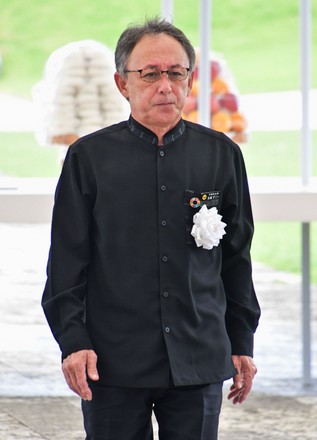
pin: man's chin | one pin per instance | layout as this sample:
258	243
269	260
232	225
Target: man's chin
166	115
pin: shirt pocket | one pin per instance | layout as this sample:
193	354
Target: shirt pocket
193	201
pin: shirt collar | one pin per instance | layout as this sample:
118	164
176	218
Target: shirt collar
144	133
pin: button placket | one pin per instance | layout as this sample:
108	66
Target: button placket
163	240
161	203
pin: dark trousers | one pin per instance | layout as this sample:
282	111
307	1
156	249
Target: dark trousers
182	413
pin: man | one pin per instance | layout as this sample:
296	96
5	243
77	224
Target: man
149	291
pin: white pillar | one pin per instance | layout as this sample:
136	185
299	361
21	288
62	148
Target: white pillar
305	44
204	63
167	10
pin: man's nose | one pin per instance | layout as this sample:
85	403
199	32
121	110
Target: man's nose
164	83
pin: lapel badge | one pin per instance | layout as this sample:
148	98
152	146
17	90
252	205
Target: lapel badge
194	202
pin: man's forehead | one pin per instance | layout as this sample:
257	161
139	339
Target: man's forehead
155	49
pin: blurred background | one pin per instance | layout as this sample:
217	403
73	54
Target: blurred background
259	42
258	45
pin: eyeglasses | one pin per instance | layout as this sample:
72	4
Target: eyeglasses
153	74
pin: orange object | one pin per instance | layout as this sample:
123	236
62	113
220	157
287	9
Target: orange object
219	86
192	116
238	122
64	139
221	121
240	138
195	88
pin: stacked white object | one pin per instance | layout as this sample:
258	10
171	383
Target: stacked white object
78	94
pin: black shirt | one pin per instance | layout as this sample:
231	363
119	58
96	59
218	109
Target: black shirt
125	276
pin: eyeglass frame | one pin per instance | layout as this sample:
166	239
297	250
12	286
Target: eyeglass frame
161	73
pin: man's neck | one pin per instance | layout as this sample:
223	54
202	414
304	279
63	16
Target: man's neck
159	131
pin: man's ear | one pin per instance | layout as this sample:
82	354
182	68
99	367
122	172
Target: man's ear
121	84
190	83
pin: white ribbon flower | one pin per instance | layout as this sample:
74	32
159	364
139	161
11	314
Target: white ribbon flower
208	229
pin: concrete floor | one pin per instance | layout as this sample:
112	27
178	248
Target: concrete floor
35	403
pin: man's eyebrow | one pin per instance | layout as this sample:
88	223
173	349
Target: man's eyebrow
151	66
155	66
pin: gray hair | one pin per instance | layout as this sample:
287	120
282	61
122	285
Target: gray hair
133	34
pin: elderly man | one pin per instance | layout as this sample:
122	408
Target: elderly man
149	291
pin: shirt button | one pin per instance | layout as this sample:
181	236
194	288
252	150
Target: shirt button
163	222
164	259
163	187
162	153
167	330
165	294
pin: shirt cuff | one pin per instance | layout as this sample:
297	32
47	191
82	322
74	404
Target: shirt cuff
74	340
242	343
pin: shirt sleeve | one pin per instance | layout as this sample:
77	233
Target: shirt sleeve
243	311
63	299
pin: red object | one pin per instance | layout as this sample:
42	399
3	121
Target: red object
215	69
229	102
214	104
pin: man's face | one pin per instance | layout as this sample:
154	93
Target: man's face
157	105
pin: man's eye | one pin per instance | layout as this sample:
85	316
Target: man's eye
175	74
151	75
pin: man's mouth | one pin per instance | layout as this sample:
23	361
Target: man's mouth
164	103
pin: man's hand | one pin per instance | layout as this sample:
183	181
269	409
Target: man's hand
242	382
76	367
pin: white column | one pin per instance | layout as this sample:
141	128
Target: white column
305	45
204	63
167	10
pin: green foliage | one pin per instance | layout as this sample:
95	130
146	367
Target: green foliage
31	30
278	244
21	156
258	39
276	153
